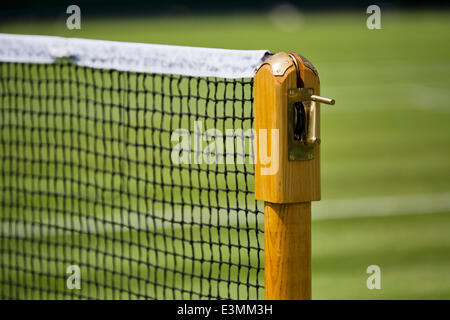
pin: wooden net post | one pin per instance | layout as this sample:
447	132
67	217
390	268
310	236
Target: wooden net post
287	171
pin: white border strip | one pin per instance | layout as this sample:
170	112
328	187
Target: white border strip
128	56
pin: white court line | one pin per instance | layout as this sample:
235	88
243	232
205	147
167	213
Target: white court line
322	210
381	206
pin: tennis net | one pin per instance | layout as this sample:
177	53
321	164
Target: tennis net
113	163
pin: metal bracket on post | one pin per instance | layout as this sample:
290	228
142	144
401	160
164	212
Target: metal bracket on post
302	131
302	108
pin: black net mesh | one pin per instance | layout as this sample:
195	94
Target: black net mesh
87	179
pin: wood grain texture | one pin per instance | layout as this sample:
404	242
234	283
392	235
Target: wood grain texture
295	181
289	191
287	230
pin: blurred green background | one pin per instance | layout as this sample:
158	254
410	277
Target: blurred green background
385	145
